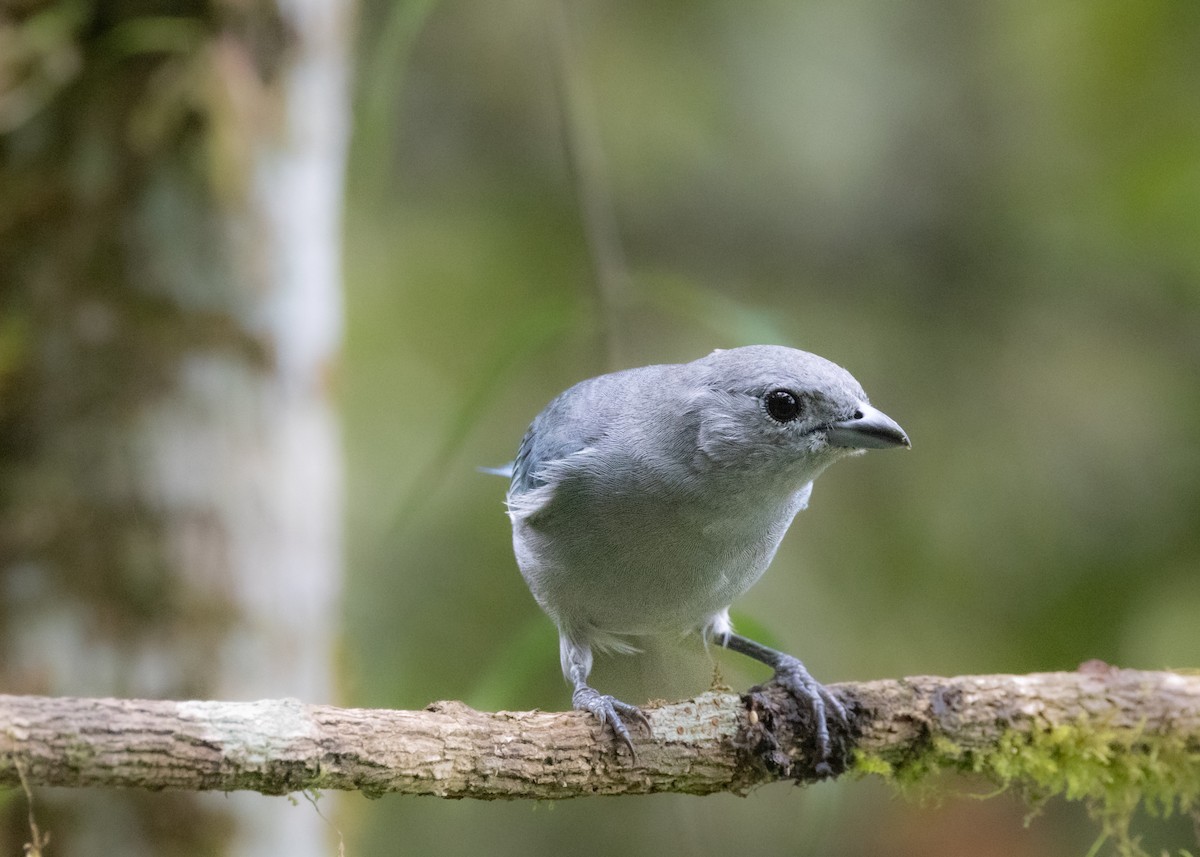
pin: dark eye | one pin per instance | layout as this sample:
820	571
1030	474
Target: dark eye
783	405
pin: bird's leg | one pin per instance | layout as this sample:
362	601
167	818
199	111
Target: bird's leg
577	664
791	674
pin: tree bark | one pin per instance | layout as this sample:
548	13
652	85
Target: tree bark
1087	734
170	315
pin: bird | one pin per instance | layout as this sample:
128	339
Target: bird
646	501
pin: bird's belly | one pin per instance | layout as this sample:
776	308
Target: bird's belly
655	604
620	580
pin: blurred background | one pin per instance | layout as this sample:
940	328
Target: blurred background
988	213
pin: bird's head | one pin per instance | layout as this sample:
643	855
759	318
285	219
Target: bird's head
782	414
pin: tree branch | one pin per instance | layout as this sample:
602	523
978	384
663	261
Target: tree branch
1092	734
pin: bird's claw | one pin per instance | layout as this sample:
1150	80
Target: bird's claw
792	676
609	711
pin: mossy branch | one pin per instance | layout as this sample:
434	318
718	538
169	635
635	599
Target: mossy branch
1116	738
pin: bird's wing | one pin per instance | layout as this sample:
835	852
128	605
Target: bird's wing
523	478
539	468
572	424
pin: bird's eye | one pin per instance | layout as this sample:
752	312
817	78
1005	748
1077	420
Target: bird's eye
783	405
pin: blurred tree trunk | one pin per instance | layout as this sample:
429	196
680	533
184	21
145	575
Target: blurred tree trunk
170	191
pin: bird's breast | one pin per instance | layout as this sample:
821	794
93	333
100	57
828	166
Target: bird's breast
645	564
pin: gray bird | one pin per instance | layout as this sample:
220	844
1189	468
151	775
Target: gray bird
646	501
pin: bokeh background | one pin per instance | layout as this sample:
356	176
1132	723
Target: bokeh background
989	213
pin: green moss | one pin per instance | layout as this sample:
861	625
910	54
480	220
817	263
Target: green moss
1114	772
870	764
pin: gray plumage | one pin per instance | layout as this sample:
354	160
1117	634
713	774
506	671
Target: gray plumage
647	501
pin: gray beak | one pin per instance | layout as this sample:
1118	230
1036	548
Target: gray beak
869	428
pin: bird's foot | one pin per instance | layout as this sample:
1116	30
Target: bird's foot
792	676
610	711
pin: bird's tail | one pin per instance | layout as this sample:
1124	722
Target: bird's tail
505	470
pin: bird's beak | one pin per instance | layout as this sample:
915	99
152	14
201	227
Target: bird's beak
869	428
